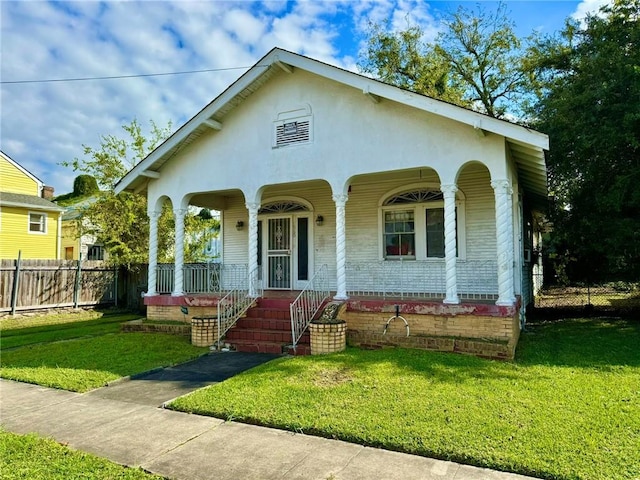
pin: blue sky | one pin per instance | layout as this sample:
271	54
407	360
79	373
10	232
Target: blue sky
43	124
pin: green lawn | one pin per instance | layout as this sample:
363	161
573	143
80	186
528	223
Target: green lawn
18	334
73	353
31	457
567	408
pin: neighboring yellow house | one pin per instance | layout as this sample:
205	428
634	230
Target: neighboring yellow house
29	221
73	243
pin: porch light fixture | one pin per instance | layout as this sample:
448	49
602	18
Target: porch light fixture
239	225
319	220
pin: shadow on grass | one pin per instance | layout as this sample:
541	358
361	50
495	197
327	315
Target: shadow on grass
581	342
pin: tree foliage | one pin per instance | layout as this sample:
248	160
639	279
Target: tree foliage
84	185
403	59
590	107
477	61
120	222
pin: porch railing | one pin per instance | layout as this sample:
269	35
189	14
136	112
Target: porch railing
476	280
236	302
201	277
308	302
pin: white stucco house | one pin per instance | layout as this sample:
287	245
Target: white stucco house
400	198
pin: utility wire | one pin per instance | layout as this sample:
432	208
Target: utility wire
116	77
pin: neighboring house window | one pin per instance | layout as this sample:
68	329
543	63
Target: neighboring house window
37	222
95	252
68	253
413	225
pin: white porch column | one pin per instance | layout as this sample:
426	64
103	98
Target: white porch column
504	237
153	254
253	245
341	247
449	193
178	285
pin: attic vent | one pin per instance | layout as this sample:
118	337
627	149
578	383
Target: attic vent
293	127
292	132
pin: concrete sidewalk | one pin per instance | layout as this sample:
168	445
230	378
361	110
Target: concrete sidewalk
192	447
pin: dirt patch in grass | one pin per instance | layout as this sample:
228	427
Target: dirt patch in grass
329	377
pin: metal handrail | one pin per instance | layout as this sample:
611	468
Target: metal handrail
236	302
307	304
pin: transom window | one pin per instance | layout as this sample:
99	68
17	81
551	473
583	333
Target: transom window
37	223
283	207
413	225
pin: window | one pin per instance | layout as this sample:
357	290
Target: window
435	232
37	223
68	253
399	233
413	225
95	252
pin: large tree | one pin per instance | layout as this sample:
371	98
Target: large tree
120	222
590	107
476	61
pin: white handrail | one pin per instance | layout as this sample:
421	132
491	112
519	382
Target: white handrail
307	304
236	302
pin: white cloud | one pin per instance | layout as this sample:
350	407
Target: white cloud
589	6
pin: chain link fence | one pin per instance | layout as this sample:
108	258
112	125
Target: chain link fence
611	298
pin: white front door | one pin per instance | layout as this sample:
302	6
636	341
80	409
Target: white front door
279	253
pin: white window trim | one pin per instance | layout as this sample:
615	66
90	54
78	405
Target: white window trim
44	223
420	226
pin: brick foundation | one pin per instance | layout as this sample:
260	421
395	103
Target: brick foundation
328	337
485	330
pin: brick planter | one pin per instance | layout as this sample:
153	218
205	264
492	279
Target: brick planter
204	331
328	337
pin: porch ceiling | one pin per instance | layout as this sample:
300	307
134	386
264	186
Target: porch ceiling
532	172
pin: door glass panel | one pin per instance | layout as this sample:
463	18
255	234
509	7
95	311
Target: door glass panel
303	249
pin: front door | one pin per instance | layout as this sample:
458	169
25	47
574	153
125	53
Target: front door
279	267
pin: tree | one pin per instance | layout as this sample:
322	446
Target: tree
84	185
404	60
120	222
476	61
590	106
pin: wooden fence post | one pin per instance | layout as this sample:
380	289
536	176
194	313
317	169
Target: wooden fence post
76	286
16	284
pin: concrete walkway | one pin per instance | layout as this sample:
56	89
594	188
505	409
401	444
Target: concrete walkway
130	429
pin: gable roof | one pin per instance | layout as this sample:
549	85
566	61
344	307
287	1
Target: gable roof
28	201
22	169
527	146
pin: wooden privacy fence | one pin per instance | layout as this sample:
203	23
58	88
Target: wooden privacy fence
40	284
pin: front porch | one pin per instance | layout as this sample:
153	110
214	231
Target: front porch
475	326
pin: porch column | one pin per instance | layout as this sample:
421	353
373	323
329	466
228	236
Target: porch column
449	193
178	286
253	246
504	237
341	247
153	254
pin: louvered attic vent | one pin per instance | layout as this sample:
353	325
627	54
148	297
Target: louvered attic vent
292	132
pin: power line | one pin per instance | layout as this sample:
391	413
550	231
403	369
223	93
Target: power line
116	77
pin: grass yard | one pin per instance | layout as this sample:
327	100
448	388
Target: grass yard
568	408
80	354
31	457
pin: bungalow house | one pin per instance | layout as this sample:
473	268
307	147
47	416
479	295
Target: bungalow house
75	243
29	220
330	181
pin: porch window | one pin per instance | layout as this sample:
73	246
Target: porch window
435	232
399	234
37	223
95	252
413	225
